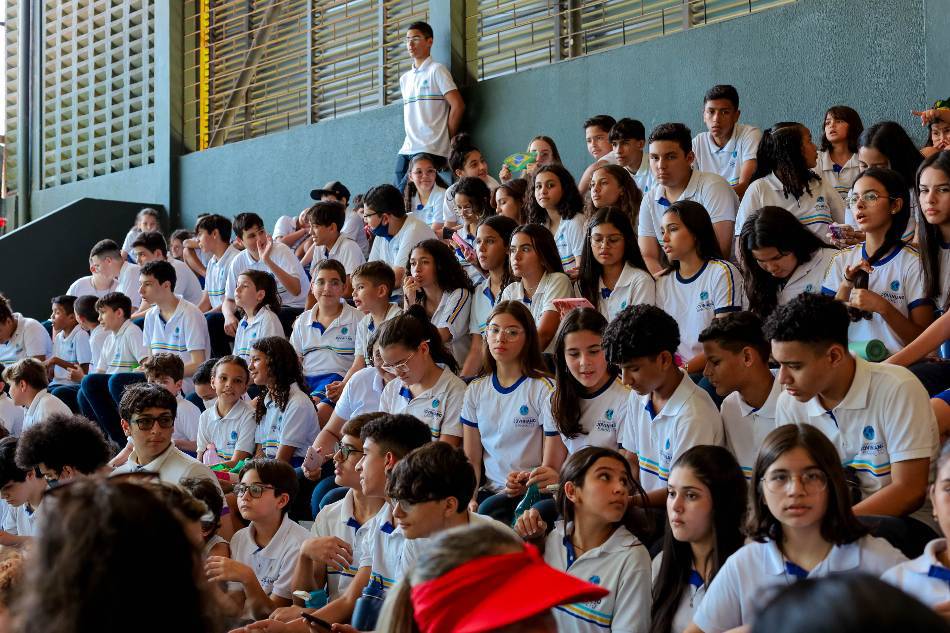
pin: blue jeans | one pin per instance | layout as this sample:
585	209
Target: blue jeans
69	394
98	398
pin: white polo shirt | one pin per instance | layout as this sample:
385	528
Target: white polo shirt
172	466
366	328
603	416
234	431
569	238
688	418
746	426
885	418
274	563
11	416
29	339
97	340
692	597
263	324
216	275
816	210
355	228
284	258
696	301
83	287
509	423
395	250
726	160
453	313
186	421
326	350
644	175
841	177
621	565
186	282
72	349
285	225
425	113
897	277
44	405
807	277
634	286
709	190
338	519
431	211
344	250
483	302
381	547
750	577
439	406
185	332
925	577
360	394
122	350
128	282
295	426
552	286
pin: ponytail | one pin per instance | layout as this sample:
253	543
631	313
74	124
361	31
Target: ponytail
780	152
412	328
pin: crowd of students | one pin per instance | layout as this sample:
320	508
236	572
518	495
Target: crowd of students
648	399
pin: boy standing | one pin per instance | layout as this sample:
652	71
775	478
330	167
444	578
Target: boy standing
737	366
151	247
23	490
27	380
432	106
70	351
668	413
729	147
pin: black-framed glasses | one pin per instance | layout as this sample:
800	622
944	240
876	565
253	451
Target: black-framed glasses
256	490
345	451
145	422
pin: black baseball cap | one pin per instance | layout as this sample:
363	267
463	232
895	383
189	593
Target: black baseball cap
334	188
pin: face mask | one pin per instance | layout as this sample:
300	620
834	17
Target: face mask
382	231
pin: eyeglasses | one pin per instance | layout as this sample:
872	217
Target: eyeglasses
146	423
612	240
256	490
368	215
870	197
812	481
510	333
464	208
415	39
400	367
345	451
406	507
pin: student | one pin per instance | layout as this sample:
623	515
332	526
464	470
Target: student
147	413
612	273
396	233
110	273
172	324
23	492
784	178
628	138
611	186
925	577
780	259
263	253
933	192
204	393
176	242
589	403
491	246
167	371
432	105
545	152
729	147
801	525
895	296
557	205
737	366
28	382
285	416
147	220
508	200
699	285
11	416
205	491
425	384
535	261
21	337
668	413
151	247
263	555
877	415
465	161
213	234
70	351
838	155
596	537
324	337
353	226
292	231
671	161
326	220
88	319
706	506
472	198
255	295
373	283
63	448
424	191
440	285
503	411
597	136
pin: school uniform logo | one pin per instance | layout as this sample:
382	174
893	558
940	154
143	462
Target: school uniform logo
435	403
623	305
868	433
345	330
433	412
820	204
895	285
523	410
704	302
609	414
809	288
525	420
871	445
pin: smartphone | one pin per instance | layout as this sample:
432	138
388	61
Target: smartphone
467	249
314	621
840	232
567	304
